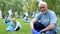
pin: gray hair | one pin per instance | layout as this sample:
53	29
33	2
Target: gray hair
42	3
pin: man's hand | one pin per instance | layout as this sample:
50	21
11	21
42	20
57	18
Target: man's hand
51	26
34	31
43	30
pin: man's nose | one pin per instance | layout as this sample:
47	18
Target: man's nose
42	8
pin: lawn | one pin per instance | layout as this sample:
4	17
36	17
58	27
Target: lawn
25	27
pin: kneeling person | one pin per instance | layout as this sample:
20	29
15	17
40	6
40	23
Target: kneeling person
16	25
47	18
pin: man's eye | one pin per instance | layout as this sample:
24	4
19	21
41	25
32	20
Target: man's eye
41	7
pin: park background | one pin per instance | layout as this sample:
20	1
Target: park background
19	8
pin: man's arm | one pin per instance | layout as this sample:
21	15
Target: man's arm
37	17
51	26
53	21
15	27
32	23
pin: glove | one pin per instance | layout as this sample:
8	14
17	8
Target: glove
34	31
40	31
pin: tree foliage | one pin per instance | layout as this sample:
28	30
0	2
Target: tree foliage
20	6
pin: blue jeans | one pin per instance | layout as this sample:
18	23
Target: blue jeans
38	26
51	32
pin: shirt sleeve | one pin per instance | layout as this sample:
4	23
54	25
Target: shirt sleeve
37	17
53	18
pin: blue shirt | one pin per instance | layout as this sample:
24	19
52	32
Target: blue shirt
46	19
17	24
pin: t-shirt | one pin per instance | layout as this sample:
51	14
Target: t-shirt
46	19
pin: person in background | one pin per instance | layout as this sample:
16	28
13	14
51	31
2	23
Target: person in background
26	19
17	25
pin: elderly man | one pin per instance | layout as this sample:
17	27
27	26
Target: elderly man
16	25
48	20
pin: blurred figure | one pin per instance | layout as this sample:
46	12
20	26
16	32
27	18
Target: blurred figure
9	23
26	19
16	25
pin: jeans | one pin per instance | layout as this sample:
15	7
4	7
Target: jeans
38	26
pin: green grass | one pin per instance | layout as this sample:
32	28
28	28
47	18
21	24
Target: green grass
25	27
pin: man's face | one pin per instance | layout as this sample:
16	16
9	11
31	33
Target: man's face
43	8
